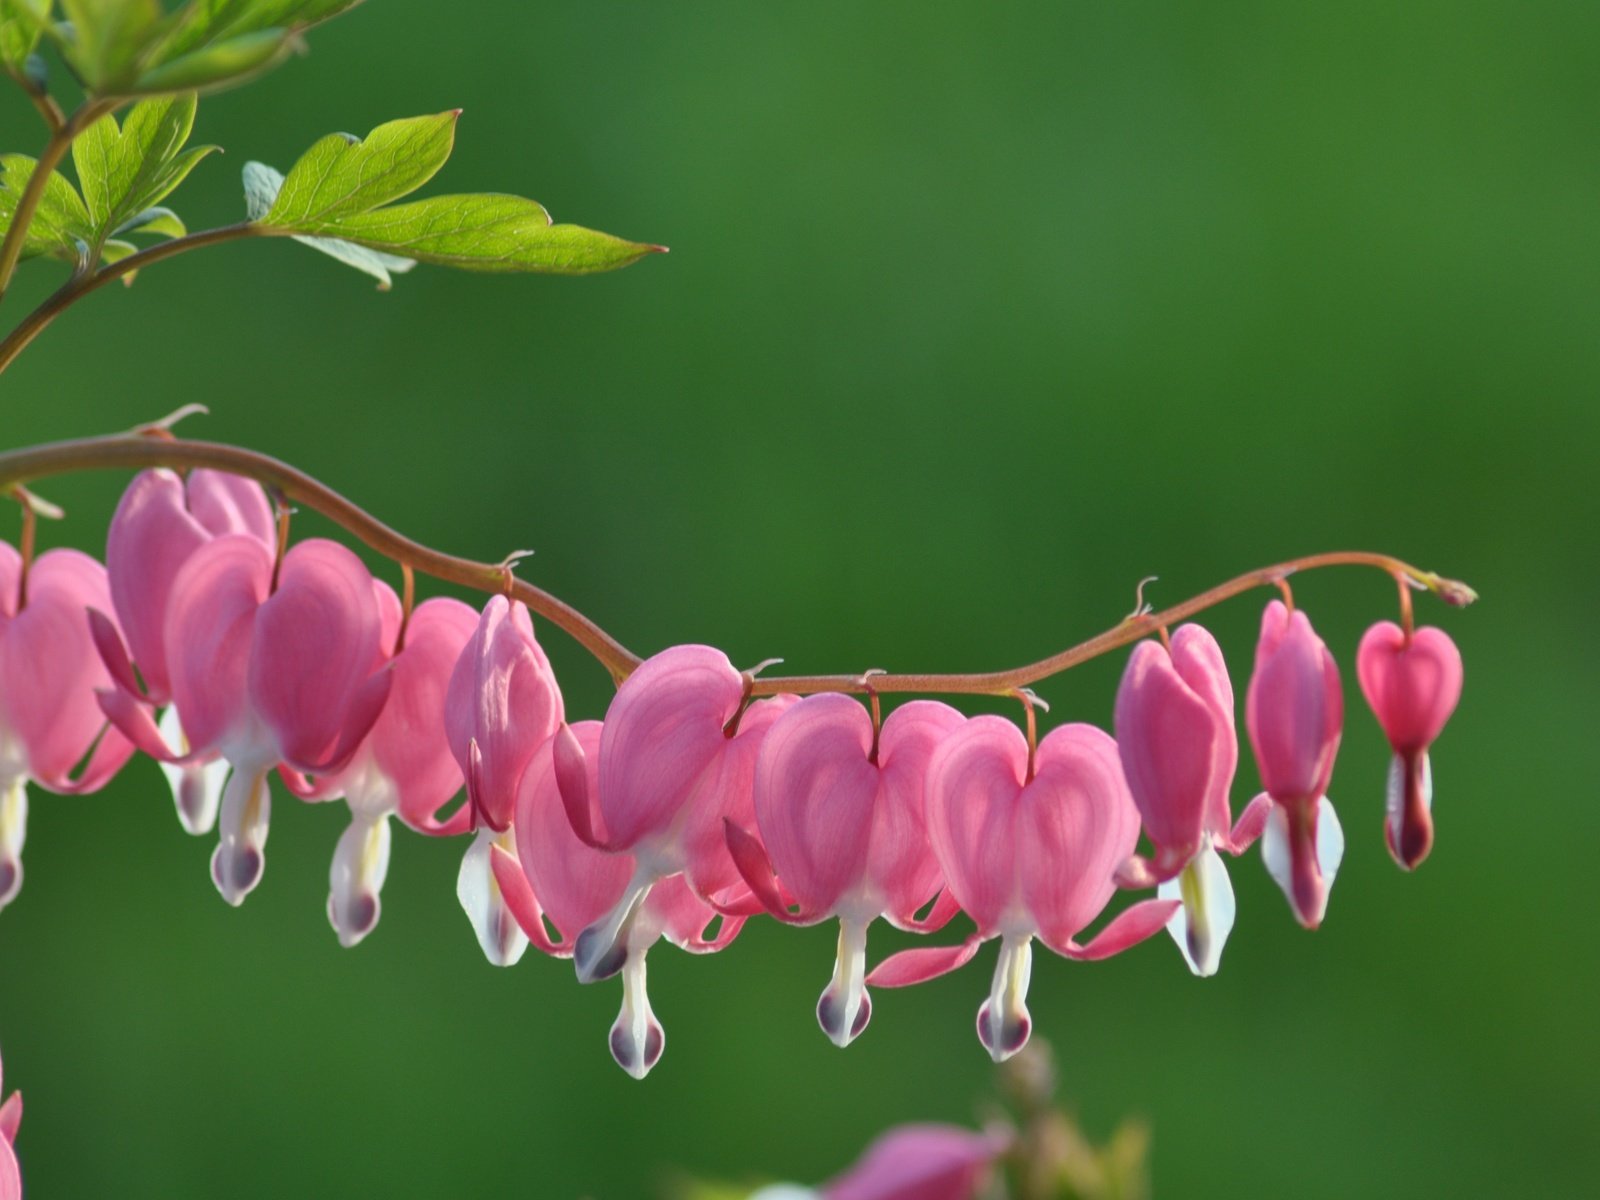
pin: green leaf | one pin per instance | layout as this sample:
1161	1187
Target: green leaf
232	61
341	176
21	23
60	224
484	233
125	170
160	222
261	187
213	43
110	37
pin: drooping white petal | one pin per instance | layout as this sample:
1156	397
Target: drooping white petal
499	935
240	856
360	865
197	789
13	832
1003	1020
1330	850
1202	925
844	1007
637	1038
601	950
1395	798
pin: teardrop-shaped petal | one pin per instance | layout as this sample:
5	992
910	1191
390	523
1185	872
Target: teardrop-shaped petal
315	643
576	885
815	793
663	731
209	626
1412	684
1408	816
844	1008
50	670
1168	738
1076	824
902	872
408	742
1302	852
1198	659
503	696
637	1038
1004	1023
1294	709
974	782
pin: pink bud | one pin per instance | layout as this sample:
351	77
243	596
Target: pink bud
1175	737
1294	712
1412	686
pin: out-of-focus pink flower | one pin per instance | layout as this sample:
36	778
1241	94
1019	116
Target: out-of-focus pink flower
10	1173
403	767
920	1162
677	757
556	877
1413	685
261	677
1176	740
1295	713
48	675
502	706
161	520
842	822
1027	857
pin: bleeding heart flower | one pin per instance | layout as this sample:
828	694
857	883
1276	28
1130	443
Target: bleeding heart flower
502	706
556	877
677	757
48	675
1295	711
920	1162
1176	740
1413	684
1028	845
261	677
841	815
161	520
403	767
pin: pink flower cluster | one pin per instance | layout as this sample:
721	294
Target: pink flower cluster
690	807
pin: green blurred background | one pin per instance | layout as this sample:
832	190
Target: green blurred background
975	314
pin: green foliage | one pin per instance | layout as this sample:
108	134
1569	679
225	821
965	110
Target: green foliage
22	22
124	171
341	175
341	189
261	187
137	47
61	226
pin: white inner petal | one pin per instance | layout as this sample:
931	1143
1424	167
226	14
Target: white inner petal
197	789
13	833
499	935
1201	926
360	865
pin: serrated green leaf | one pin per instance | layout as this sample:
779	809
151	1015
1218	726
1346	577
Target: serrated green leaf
226	62
60	224
110	38
261	187
483	233
128	170
341	176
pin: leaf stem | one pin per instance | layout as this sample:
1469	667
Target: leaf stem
80	286
55	149
135	451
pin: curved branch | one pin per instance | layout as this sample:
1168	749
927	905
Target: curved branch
78	286
137	451
61	138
